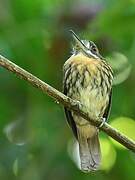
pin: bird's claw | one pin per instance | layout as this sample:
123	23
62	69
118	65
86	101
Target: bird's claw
103	122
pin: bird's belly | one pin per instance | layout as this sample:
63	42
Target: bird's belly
95	104
94	101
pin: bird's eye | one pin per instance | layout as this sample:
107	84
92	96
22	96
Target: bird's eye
94	49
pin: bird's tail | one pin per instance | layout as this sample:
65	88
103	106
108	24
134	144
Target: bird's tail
90	154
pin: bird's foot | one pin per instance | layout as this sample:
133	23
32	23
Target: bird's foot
103	122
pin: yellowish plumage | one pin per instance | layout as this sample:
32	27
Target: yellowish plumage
89	96
88	80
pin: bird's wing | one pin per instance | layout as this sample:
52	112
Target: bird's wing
107	110
69	117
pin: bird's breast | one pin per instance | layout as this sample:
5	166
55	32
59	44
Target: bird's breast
88	81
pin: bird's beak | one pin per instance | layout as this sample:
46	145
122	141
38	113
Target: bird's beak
77	40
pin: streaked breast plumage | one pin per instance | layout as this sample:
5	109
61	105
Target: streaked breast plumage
86	83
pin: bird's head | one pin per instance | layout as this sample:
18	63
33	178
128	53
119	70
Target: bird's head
86	47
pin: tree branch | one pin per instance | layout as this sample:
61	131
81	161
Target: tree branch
66	101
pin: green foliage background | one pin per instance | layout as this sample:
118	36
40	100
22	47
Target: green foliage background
33	132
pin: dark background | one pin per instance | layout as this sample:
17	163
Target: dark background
35	141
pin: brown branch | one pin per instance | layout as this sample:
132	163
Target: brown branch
66	101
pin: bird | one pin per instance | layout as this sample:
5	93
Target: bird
87	78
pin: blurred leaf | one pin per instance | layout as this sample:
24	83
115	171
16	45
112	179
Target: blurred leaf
126	126
121	67
108	154
73	151
16	132
15	167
